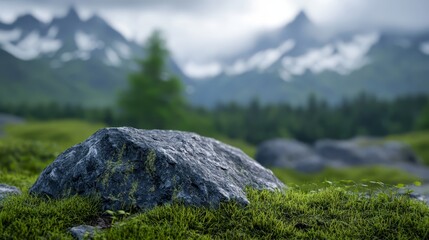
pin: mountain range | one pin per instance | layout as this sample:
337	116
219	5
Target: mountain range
71	60
67	60
302	59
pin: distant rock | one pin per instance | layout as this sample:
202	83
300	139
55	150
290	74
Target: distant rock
139	169
286	153
361	151
6	190
83	232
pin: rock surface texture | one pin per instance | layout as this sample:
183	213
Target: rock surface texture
6	190
139	169
289	154
83	232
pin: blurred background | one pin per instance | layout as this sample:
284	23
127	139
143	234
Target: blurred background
315	90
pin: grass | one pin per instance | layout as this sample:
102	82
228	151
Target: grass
61	133
29	217
332	212
356	174
419	142
312	208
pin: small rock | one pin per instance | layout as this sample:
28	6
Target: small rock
6	190
138	169
286	153
83	232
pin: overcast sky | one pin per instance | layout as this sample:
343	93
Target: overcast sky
199	31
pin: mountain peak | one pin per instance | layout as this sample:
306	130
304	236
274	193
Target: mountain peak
301	18
72	14
26	20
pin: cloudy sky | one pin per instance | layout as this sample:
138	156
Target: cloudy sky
201	31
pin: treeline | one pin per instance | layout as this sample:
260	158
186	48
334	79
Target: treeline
50	111
254	123
363	115
154	99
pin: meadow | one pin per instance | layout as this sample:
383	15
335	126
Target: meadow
351	203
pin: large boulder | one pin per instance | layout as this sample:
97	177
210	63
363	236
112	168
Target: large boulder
139	169
6	190
286	153
362	151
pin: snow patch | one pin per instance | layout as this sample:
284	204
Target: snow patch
112	58
8	36
123	49
86	42
204	70
32	46
424	47
261	60
52	32
68	56
342	57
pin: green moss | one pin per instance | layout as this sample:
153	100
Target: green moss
329	213
20	180
133	191
29	217
338	211
112	165
150	162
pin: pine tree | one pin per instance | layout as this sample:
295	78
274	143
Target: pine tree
154	97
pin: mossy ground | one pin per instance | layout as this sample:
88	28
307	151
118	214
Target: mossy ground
330	212
312	208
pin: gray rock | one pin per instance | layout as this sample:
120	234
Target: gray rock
6	190
131	168
288	154
361	151
83	232
420	193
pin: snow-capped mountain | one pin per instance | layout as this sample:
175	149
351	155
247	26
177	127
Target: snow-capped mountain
71	60
68	60
302	59
65	39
